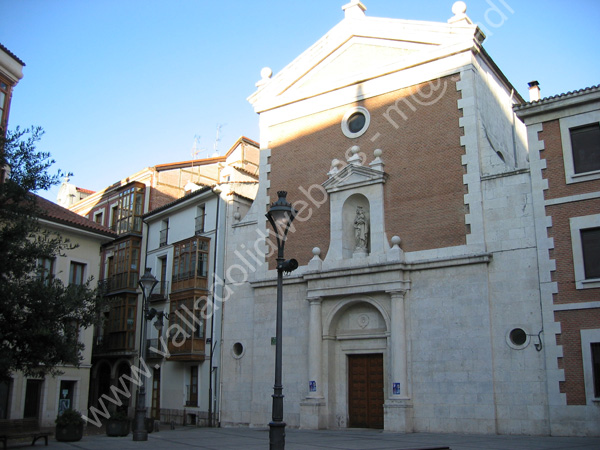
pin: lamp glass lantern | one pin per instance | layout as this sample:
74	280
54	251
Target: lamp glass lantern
281	215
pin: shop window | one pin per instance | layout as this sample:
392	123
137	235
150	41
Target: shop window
66	396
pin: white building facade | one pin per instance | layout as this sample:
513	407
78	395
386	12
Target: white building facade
185	249
44	398
416	305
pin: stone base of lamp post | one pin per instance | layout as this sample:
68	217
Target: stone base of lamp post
276	435
140	433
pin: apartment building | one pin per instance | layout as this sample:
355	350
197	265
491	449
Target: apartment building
122	207
564	148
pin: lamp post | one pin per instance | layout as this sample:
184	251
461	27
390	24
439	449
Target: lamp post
280	215
147	283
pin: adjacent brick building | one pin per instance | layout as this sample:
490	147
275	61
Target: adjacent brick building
564	146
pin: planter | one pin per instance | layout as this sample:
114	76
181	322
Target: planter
117	427
69	433
149	424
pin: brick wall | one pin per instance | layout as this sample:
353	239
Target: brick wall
563	250
422	153
571	322
555	171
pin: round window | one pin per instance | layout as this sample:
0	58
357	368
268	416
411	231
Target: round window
237	350
355	122
517	338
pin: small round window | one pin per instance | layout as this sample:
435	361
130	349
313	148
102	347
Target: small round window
355	122
517	338
237	350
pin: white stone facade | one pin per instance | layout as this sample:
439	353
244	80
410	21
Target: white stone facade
440	317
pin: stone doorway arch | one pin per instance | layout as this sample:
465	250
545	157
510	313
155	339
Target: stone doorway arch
355	328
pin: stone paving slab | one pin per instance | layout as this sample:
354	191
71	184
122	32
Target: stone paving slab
351	439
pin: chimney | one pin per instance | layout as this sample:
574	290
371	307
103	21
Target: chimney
534	91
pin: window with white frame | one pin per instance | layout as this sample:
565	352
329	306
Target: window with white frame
580	138
164	233
590	350
45	269
200	217
77	273
99	217
585	239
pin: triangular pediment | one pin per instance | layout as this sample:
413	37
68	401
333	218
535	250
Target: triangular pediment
352	60
353	176
355	51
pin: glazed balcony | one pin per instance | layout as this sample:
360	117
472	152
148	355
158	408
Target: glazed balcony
115	343
190	349
187	281
127	281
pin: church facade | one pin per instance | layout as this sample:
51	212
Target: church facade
416	306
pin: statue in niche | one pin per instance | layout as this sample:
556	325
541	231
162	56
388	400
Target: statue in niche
361	229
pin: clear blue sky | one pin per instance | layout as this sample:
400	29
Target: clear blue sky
119	85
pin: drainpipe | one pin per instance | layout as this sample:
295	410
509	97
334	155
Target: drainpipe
212	316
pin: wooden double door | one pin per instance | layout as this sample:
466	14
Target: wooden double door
365	391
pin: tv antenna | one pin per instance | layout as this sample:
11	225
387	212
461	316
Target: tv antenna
218	139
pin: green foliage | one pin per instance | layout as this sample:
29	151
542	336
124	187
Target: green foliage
69	417
39	318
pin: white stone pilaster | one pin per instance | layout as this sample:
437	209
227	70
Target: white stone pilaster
315	349
399	370
398	407
313	409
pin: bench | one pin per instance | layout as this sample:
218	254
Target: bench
429	448
22	428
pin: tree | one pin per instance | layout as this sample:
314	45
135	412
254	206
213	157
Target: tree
39	315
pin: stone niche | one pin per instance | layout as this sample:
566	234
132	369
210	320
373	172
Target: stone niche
356	226
357	230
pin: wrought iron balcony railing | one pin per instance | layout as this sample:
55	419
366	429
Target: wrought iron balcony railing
126	280
160	292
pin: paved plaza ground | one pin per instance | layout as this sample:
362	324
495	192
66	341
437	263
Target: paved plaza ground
349	439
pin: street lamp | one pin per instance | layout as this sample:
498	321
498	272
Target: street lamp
280	215
147	284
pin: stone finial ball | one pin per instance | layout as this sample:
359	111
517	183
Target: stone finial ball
316	251
378	152
396	240
459	8
266	72
335	162
355	149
